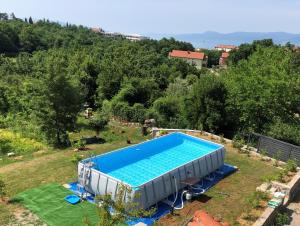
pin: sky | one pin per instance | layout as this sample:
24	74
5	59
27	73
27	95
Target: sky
165	16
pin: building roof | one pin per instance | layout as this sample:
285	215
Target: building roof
97	29
226	46
187	54
225	55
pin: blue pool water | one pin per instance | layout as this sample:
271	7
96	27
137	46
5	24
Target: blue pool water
138	164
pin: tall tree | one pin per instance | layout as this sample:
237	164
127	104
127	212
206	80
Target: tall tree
205	106
57	104
30	20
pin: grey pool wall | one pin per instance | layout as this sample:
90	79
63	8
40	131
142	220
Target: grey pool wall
160	187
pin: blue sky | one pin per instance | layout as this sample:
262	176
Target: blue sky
165	16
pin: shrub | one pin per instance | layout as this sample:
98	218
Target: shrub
138	113
14	142
2	188
277	156
281	219
263	152
255	199
281	175
122	110
122	210
269	178
98	123
76	158
291	165
222	140
80	144
238	142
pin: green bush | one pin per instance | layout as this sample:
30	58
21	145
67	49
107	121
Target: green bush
2	188
281	219
14	142
291	165
98	122
269	178
121	110
238	142
255	198
76	158
80	144
138	113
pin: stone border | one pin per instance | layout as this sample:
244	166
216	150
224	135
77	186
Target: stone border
269	215
253	151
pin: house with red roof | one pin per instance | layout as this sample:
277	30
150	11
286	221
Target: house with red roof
196	59
223	59
225	48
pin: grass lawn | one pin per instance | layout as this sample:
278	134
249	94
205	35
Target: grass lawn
56	167
48	203
227	199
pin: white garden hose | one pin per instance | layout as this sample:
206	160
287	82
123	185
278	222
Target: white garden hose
176	196
182	204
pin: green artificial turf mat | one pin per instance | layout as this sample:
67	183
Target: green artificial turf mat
48	203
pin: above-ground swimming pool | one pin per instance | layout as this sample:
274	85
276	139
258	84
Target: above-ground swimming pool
149	168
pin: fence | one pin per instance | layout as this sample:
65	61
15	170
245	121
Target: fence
278	149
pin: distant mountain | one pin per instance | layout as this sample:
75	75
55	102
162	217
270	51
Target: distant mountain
210	39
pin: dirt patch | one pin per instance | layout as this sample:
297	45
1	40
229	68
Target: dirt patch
182	216
22	216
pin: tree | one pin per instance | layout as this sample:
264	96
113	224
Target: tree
246	50
12	16
29	40
4	105
205	105
98	122
7	46
2	188
30	20
262	90
116	211
3	16
168	112
213	57
57	104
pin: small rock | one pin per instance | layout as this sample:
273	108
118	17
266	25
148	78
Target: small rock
18	157
264	187
266	158
10	154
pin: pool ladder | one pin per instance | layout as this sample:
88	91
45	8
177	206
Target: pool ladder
85	173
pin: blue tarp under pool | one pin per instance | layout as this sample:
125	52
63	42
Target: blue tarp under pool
164	209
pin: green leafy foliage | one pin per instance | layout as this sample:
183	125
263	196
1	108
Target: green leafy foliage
122	211
291	165
98	122
2	188
49	72
14	142
281	219
80	144
254	200
76	158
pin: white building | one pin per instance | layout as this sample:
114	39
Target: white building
225	48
